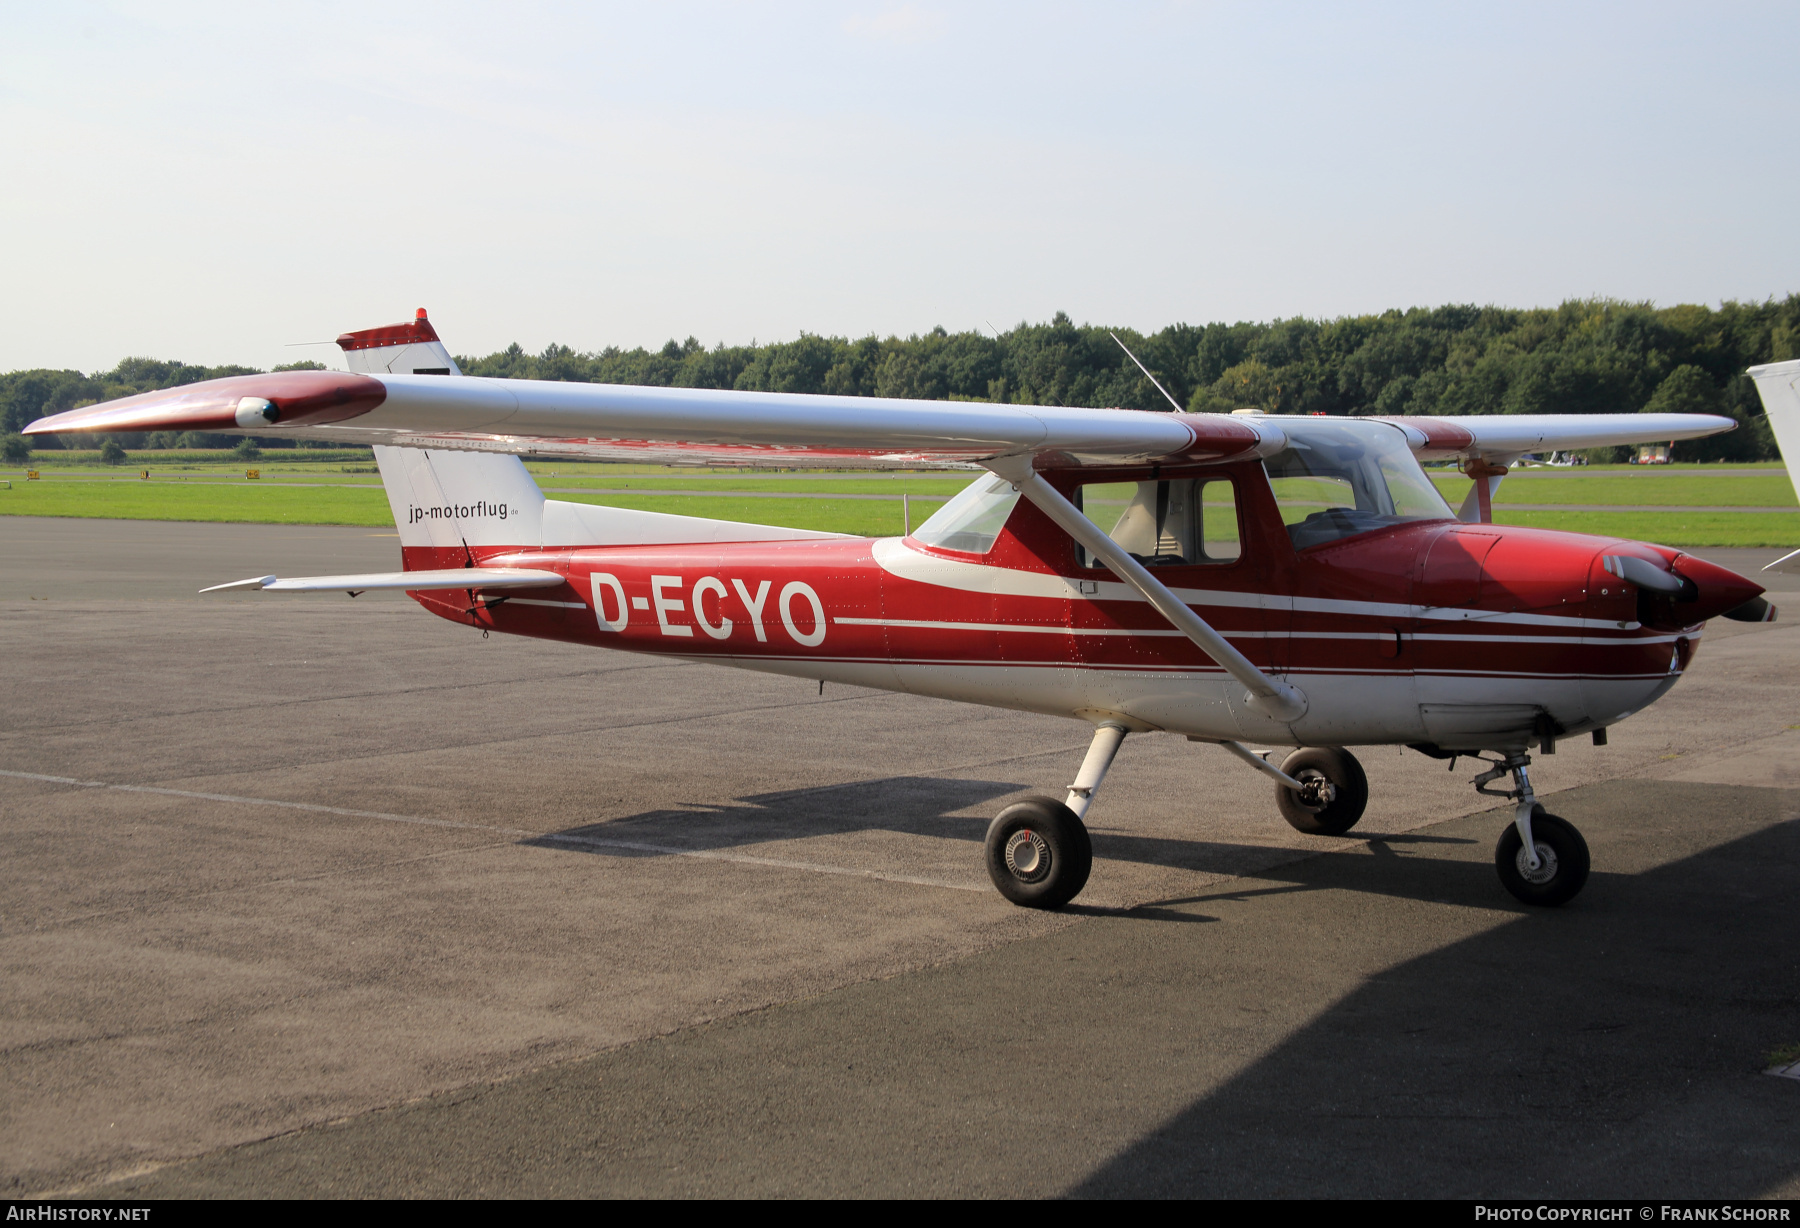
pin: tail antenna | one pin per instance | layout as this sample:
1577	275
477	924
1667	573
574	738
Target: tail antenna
1146	370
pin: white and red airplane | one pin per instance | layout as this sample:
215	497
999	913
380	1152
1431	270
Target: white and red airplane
1238	578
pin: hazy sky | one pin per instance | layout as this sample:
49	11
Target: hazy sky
210	182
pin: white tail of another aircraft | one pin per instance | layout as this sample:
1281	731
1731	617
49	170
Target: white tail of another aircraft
1779	386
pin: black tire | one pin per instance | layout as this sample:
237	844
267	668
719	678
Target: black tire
1560	847
1050	854
1349	785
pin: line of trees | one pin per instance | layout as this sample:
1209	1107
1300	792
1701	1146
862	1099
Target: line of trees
1585	356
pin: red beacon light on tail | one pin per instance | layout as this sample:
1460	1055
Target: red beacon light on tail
398	349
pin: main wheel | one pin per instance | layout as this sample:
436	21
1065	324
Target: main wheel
1562	861
1337	792
1038	853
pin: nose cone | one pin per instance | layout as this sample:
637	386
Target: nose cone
1717	590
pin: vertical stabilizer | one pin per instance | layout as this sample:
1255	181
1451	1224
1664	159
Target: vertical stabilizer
445	503
455	501
398	349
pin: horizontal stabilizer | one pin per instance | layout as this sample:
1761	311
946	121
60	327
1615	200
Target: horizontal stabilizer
447	578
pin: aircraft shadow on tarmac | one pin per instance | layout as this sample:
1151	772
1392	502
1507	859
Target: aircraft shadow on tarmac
1612	1048
926	806
913	805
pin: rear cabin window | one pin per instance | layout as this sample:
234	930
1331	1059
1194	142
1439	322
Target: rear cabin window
1187	522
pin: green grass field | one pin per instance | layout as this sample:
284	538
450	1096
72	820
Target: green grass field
302	486
247	502
297	459
820	484
1776	529
353	500
866	517
1671	487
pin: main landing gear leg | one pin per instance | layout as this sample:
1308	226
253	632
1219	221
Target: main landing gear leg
1541	858
1106	743
1038	852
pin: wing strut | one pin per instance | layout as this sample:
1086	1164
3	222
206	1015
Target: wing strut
1280	700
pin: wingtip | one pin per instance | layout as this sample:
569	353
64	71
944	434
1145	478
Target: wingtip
299	398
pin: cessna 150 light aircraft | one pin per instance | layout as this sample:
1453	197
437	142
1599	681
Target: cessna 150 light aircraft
1238	578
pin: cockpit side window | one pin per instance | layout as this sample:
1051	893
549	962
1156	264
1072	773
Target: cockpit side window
1187	522
971	522
1338	480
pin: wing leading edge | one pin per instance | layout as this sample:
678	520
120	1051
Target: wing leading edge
384	400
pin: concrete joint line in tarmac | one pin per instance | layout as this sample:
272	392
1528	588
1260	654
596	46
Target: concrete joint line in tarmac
633	846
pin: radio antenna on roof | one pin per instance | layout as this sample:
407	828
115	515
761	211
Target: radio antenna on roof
1146	370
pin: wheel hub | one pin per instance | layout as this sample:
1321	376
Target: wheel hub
1546	869
1316	792
1027	855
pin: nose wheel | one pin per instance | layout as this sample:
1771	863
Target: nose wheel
1541	858
1562	860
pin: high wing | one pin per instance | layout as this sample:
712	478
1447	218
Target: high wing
781	430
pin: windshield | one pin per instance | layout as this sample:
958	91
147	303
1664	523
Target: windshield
1338	479
971	521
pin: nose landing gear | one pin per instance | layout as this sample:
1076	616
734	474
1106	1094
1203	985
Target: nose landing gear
1541	858
1562	860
